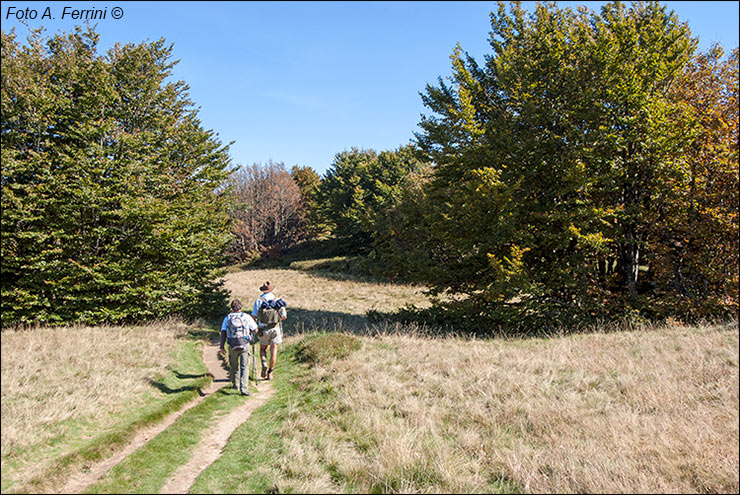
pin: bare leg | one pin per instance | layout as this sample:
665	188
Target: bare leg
273	355
263	359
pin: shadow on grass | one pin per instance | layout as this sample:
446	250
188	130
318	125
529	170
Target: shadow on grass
315	249
306	320
167	390
186	376
310	321
342	276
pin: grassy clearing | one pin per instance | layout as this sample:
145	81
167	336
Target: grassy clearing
75	394
324	299
654	410
388	409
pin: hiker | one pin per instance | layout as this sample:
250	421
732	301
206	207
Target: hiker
238	328
270	331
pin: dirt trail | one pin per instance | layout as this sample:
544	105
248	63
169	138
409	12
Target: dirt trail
211	446
82	479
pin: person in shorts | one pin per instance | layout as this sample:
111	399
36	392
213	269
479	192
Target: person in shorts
269	337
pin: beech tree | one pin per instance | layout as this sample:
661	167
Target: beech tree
360	187
560	160
309	181
695	240
109	210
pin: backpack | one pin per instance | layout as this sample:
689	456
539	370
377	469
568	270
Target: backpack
238	331
269	313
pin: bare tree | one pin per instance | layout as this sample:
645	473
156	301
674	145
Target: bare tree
267	211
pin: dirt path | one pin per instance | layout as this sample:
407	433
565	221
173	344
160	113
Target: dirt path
82	479
211	446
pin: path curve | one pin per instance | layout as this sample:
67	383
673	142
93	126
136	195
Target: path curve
88	475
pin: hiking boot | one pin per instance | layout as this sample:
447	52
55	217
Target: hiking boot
264	372
245	393
269	375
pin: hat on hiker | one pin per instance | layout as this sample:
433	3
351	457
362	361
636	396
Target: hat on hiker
267	287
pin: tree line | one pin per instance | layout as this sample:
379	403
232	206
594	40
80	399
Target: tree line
585	170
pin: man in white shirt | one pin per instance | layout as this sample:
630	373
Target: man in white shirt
271	333
236	329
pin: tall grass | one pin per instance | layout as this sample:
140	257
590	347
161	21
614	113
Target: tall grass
73	393
651	410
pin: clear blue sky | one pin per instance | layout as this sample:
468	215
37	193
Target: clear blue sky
298	82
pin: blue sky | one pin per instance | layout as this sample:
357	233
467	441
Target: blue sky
297	82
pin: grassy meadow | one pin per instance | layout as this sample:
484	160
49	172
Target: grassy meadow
654	409
71	395
323	299
382	408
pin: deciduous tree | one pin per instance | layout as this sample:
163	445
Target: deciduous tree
557	162
108	206
267	211
359	187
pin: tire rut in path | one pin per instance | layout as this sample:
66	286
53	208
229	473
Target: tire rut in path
209	449
81	480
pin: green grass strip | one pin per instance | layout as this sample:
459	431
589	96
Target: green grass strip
250	462
149	468
257	442
180	386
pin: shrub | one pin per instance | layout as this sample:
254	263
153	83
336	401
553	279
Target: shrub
326	348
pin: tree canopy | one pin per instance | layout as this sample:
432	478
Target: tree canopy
360	187
109	204
571	171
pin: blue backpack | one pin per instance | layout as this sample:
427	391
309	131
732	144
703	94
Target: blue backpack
269	312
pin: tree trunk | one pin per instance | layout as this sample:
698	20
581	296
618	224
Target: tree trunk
630	262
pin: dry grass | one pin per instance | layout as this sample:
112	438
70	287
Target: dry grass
650	410
51	375
631	412
324	299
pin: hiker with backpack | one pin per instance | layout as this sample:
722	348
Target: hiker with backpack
269	312
239	330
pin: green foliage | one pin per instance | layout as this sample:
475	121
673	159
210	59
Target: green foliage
108	205
558	163
360	187
309	181
401	231
327	347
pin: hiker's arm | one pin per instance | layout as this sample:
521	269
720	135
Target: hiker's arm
283	313
224	325
255	310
